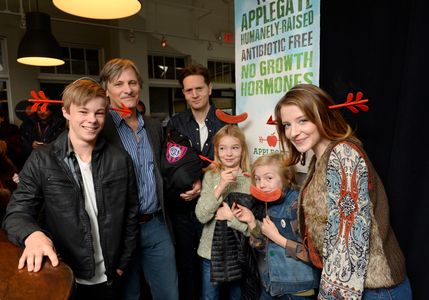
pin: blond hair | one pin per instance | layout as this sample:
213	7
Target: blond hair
233	131
81	91
278	161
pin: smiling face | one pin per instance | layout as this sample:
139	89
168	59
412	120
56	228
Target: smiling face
196	92
86	121
267	178
229	152
302	133
124	88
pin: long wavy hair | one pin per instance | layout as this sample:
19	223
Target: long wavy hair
314	103
233	131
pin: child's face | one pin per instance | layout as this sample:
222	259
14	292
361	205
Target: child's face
229	151
86	121
267	178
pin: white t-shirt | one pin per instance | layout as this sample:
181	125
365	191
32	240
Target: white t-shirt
92	210
204	134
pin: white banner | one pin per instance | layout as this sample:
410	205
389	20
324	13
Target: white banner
276	47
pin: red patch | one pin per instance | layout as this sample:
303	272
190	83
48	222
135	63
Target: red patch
175	152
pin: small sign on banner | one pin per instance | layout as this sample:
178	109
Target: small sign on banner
228	37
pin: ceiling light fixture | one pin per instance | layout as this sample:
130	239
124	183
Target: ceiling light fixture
99	9
38	47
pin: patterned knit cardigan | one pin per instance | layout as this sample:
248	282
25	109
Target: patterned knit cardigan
344	208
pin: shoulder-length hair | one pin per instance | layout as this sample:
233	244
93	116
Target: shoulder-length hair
233	131
314	103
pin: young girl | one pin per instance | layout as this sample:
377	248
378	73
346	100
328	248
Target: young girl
276	236
231	160
344	211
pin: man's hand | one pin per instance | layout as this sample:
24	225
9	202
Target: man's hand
194	193
37	245
15	178
36	144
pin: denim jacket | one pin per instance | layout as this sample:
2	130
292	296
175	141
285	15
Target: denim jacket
282	274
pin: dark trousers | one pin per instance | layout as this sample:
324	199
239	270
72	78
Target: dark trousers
187	231
101	291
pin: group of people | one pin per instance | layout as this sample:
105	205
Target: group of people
107	215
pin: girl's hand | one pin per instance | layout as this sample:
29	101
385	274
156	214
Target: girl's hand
224	212
243	214
226	177
270	230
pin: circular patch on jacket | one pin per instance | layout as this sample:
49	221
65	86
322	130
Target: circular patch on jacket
175	152
283	223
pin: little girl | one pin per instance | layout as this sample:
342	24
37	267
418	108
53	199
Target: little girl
231	161
276	237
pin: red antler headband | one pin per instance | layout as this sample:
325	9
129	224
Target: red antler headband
40	98
353	105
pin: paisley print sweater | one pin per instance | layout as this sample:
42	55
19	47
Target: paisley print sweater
344	207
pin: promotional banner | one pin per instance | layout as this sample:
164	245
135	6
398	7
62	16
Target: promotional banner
276	47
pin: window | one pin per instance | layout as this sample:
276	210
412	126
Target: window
165	67
2	58
4	76
3	96
78	61
221	71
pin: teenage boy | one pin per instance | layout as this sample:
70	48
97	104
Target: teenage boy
88	191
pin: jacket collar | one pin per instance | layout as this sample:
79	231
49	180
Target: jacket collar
64	148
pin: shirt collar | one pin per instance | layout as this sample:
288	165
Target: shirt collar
210	114
119	121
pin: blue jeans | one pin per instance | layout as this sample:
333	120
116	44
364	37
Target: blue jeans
155	256
401	291
211	289
266	296
187	231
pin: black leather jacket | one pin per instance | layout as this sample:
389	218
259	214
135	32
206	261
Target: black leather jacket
47	181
